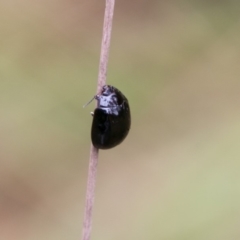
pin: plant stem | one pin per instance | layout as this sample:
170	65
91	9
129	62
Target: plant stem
102	74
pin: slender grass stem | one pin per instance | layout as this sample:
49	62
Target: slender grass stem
102	75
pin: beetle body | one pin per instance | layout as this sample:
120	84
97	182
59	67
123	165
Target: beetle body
111	118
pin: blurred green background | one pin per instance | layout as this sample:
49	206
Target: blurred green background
176	176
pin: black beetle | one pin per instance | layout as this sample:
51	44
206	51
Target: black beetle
111	118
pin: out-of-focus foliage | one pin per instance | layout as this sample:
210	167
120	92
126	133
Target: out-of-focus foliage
176	176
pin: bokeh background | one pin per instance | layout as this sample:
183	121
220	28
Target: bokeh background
176	176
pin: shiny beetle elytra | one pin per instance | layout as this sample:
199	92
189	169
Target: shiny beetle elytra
111	118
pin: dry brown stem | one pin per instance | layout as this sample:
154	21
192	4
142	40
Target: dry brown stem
102	74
